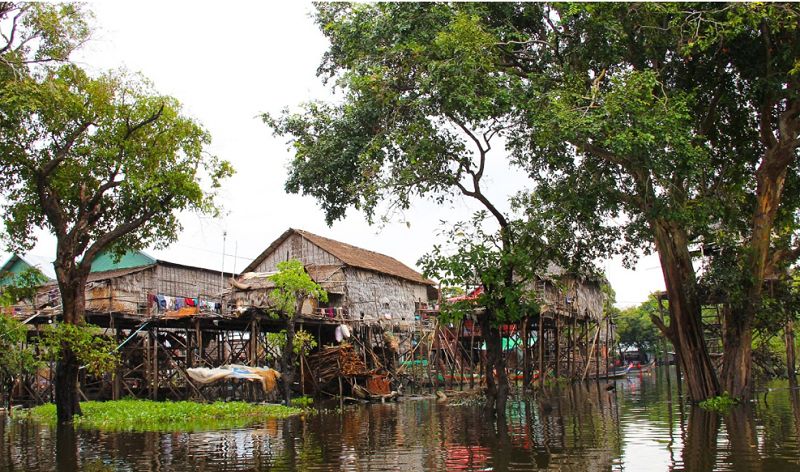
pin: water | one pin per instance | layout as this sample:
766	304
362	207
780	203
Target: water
639	426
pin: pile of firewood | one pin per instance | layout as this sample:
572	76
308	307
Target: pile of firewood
331	360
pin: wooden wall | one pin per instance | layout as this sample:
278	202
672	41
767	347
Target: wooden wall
297	247
366	292
129	292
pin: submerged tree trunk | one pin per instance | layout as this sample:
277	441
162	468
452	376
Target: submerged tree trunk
496	377
686	329
67	398
73	301
737	376
737	346
287	362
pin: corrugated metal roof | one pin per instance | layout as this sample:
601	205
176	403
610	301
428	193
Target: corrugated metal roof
350	255
44	264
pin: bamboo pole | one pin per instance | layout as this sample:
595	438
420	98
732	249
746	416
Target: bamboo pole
594	342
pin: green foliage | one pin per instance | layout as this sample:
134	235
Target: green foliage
720	403
303	402
635	328
93	351
292	286
15	359
479	258
109	153
144	415
303	342
22	286
39	34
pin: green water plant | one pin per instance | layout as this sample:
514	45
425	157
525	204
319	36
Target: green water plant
145	415
720	403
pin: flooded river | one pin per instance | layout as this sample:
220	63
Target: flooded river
640	425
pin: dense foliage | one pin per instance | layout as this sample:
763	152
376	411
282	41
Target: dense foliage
636	329
643	126
103	163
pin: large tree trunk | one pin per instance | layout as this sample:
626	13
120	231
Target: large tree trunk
737	339
287	362
737	336
686	327
496	377
73	302
66	387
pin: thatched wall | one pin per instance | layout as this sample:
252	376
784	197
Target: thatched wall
367	295
372	296
567	295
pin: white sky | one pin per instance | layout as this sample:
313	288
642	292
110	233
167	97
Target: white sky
227	65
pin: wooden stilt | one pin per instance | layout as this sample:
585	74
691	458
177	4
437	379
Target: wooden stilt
541	351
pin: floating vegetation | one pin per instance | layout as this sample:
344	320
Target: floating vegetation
145	415
722	403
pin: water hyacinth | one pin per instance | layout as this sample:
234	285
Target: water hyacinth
145	415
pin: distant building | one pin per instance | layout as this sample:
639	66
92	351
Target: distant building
17	264
130	284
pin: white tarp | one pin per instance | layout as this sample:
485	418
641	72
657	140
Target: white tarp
268	377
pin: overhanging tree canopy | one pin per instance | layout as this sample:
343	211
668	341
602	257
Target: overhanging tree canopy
104	164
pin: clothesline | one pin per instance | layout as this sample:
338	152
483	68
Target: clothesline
165	303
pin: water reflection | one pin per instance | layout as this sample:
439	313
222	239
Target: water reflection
640	424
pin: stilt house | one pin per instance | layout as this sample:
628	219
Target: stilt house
361	285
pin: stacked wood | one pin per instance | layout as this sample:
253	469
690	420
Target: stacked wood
333	360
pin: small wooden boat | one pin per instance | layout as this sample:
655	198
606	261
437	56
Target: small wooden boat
638	369
614	374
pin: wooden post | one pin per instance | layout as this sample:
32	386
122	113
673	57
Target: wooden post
791	362
472	356
118	370
438	354
199	340
254	342
541	350
574	339
557	344
155	364
597	352
526	359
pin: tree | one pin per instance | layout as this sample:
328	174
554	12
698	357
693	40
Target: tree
681	121
292	287
36	34
424	103
104	164
643	126
636	329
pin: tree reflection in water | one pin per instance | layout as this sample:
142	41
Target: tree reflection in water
636	426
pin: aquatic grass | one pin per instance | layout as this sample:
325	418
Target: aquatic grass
722	403
146	415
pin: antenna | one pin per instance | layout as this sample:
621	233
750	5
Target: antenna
222	271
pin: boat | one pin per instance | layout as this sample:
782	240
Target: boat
614	374
638	369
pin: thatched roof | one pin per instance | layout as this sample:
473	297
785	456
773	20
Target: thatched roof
349	255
